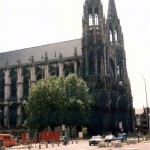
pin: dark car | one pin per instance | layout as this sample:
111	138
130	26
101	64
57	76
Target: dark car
122	137
109	138
95	140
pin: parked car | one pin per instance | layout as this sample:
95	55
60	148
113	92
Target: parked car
122	137
7	140
109	138
95	140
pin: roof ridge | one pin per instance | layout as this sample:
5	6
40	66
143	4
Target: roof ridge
39	46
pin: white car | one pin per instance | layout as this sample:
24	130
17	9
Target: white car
110	138
95	140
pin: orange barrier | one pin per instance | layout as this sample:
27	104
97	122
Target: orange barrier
44	136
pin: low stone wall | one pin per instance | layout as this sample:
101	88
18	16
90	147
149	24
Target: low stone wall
117	144
102	144
131	141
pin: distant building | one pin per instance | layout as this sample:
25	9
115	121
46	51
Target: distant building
98	57
142	120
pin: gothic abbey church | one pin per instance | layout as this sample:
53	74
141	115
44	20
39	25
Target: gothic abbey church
98	57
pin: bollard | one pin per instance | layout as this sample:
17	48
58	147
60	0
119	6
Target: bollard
3	148
39	145
46	145
52	144
72	142
58	144
29	147
76	142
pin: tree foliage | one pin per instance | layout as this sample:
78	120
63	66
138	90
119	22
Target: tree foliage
56	101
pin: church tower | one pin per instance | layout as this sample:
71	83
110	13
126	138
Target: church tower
114	41
104	68
93	38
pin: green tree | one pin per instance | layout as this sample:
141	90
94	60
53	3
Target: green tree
56	101
84	131
78	101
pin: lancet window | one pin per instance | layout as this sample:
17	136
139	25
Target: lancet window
91	63
90	17
96	16
116	36
111	36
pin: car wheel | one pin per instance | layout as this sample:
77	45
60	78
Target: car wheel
89	144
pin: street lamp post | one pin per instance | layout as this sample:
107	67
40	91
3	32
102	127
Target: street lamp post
118	98
149	122
1	117
145	91
147	109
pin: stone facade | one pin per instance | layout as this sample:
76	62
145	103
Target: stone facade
98	57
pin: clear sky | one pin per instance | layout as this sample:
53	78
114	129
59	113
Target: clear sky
28	23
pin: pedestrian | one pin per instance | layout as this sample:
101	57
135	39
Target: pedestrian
65	140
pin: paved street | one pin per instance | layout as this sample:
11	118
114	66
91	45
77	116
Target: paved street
83	145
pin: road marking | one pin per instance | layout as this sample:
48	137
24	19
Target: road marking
83	149
132	149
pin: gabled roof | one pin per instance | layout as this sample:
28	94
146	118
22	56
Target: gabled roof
52	50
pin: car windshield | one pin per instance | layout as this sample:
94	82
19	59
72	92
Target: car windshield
120	135
96	137
109	137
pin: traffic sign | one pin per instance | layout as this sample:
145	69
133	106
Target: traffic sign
63	127
138	121
120	124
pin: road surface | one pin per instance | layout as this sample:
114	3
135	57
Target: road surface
83	145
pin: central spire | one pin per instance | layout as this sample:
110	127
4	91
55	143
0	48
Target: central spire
112	10
114	30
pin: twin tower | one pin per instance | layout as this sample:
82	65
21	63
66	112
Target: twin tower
104	68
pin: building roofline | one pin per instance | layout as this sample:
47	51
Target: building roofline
65	41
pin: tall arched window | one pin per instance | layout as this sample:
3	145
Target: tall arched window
13	76
26	75
91	63
96	16
25	86
14	87
110	35
112	66
90	17
2	84
38	73
99	61
13	114
116	36
90	20
96	19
